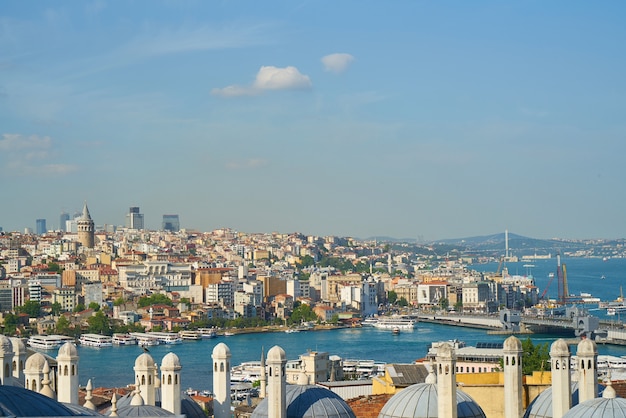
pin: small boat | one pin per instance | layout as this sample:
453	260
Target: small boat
395	331
95	340
228	334
207	332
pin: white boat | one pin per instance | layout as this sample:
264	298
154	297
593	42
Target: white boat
249	371
48	342
124	339
167	337
190	335
95	340
616	309
369	322
207	332
144	339
400	322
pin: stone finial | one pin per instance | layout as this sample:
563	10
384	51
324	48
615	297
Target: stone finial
46	390
113	405
89	396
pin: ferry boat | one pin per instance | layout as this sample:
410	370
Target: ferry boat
48	342
167	337
124	339
249	371
190	335
95	340
207	332
144	339
369	322
362	369
400	322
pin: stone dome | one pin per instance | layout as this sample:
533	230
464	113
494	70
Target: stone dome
18	345
606	406
142	411
586	347
5	345
309	401
420	400
143	361
221	350
512	344
170	361
67	351
35	362
541	406
559	348
276	354
20	402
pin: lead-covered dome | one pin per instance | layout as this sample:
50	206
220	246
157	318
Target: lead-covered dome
309	401
420	400
541	406
608	406
20	402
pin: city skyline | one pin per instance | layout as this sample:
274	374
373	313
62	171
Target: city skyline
405	119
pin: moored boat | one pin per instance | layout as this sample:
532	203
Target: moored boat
400	322
190	335
48	342
95	340
123	339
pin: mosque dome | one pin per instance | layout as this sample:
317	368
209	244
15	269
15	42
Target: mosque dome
18	345
144	360
5	345
170	361
35	362
142	411
20	402
541	406
67	351
221	350
276	354
309	401
420	400
512	344
190	408
606	406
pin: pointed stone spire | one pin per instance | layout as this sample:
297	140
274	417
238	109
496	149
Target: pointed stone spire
113	405
263	382
89	396
86	214
46	390
609	391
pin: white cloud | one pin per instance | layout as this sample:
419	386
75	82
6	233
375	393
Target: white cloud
268	78
337	63
30	155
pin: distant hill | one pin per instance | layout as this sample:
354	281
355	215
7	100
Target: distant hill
518	244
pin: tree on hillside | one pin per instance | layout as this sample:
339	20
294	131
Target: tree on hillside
31	307
154	299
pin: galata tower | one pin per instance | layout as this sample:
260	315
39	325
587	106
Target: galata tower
85	228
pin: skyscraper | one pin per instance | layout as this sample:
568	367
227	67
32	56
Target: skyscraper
41	227
171	223
134	219
62	220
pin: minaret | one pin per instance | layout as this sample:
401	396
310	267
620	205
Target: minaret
144	377
86	228
587	354
6	358
446	381
170	383
561	379
19	358
277	383
221	381
67	374
263	380
513	407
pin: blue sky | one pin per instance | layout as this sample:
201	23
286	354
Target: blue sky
355	118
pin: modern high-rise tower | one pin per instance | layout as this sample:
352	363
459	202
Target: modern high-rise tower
41	226
62	221
171	223
134	219
85	228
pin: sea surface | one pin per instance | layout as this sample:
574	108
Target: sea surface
113	366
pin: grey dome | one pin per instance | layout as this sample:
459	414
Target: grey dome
145	360
142	411
20	402
81	410
420	400
67	351
18	345
190	408
309	401
541	406
599	408
35	362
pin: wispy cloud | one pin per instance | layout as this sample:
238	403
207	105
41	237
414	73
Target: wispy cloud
248	164
268	78
337	63
30	156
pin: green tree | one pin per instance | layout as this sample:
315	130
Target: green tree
444	303
31	307
403	302
302	313
186	301
10	324
306	261
99	324
95	306
458	306
63	326
334	319
154	299
536	357
392	297
56	308
119	301
79	307
54	267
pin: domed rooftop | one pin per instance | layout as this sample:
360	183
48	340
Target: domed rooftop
18	345
541	406
35	362
67	351
586	347
275	354
309	401
420	400
170	361
606	406
142	411
559	348
190	408
5	345
221	350
144	360
20	402
512	344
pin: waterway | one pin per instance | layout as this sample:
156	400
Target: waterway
113	366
